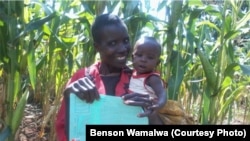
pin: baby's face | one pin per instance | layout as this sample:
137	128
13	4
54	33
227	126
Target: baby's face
145	57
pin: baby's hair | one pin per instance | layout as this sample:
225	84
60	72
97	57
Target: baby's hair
104	20
150	40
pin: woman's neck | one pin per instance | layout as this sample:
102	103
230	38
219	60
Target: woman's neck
106	70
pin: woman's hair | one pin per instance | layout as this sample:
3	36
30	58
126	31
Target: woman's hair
104	20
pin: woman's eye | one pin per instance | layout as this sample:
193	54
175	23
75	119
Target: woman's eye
126	41
113	43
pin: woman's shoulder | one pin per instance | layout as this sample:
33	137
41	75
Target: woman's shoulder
83	70
78	74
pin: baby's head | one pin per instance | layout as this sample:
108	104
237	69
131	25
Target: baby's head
146	54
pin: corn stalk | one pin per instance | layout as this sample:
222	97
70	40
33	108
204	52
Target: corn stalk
221	90
11	59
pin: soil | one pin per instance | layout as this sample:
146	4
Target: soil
30	128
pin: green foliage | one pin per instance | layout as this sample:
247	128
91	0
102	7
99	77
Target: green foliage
42	45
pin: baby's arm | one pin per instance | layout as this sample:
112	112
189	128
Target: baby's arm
156	83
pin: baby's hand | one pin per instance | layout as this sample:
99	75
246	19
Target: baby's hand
149	110
136	99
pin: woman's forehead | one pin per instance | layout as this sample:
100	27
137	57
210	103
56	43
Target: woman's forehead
114	28
114	31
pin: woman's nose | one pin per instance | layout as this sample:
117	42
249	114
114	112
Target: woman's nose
124	48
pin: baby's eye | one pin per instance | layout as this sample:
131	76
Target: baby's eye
138	54
150	57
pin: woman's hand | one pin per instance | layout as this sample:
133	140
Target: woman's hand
84	88
142	100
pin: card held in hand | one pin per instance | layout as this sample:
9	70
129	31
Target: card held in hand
108	110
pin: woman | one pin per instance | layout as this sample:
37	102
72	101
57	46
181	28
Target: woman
108	76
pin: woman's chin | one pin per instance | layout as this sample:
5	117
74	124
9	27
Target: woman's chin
121	63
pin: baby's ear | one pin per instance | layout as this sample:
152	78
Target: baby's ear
132	56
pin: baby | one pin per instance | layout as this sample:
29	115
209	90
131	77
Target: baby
145	80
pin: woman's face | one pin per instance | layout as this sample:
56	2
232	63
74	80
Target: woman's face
114	47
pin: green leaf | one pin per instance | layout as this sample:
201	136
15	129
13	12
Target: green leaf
243	21
232	35
210	24
18	113
205	107
36	24
233	96
32	65
208	69
195	3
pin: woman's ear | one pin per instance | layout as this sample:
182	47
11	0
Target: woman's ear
96	46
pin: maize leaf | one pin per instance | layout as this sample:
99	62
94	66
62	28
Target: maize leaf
208	70
18	113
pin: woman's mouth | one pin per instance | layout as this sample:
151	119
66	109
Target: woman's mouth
121	58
